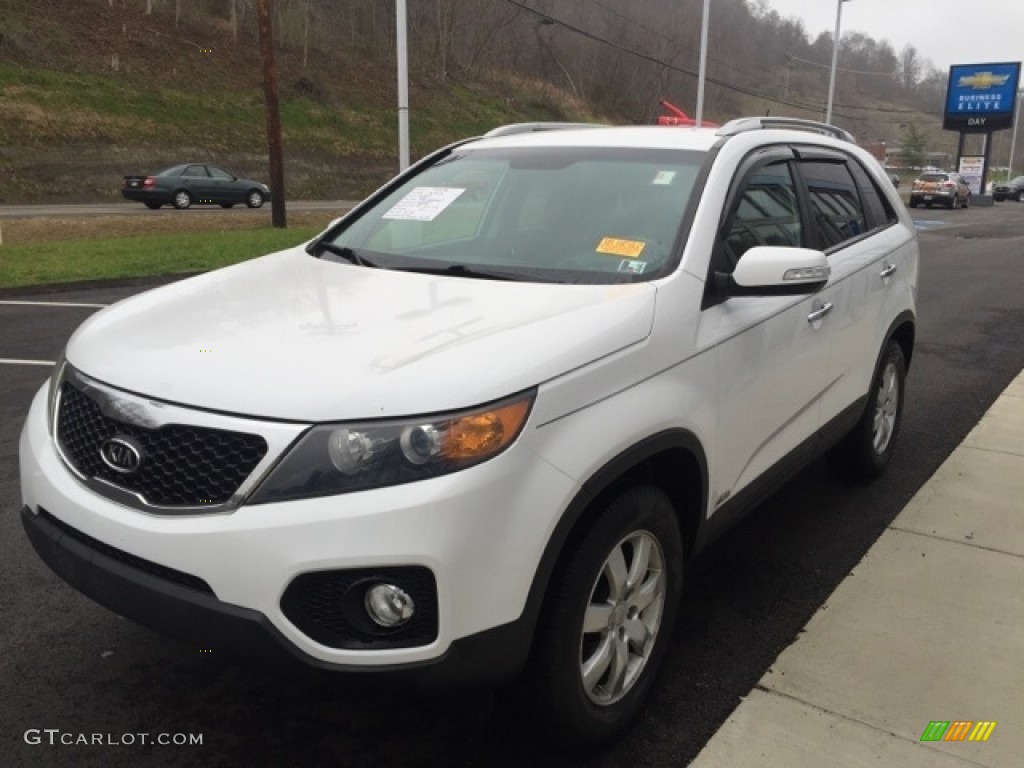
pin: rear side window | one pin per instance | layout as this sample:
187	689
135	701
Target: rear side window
879	211
835	202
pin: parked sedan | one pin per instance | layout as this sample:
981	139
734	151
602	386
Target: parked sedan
183	185
942	188
1009	190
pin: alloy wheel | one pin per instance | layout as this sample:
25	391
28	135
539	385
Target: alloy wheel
622	618
887	401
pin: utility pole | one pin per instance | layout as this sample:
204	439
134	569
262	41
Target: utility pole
277	212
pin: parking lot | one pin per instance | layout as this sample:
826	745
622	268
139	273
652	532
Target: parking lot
68	664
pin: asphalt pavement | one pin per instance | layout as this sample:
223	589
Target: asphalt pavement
138	209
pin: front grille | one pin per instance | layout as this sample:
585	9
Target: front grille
181	466
328	606
153	569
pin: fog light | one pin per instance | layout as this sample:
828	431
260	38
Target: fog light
388	605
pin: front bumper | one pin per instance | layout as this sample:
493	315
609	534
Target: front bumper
158	601
481	533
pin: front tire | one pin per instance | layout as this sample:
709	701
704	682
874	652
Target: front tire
608	619
866	451
254	199
182	199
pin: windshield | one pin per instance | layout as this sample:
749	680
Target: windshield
582	215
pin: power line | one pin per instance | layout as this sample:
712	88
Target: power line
682	70
646	57
629	20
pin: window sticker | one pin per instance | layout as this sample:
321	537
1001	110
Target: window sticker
615	246
664	177
423	203
636	267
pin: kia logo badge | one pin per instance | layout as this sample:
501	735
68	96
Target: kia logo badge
121	454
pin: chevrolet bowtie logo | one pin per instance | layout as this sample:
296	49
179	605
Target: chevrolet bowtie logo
982	80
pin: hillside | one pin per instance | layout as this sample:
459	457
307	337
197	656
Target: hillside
71	124
91	90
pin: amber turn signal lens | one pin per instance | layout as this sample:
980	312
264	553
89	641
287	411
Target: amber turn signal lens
482	434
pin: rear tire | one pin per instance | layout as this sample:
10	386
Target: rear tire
152	206
866	451
608	619
182	199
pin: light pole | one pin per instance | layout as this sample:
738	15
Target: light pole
835	60
703	62
403	85
1013	141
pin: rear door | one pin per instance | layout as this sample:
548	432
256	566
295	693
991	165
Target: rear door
855	226
197	181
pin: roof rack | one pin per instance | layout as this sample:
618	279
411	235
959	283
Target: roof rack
514	128
744	124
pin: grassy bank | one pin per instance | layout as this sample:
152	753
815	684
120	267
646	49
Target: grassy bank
60	261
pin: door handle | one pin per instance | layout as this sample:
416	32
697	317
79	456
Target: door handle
819	313
888	271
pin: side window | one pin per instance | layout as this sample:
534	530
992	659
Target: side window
877	207
194	170
217	173
767	213
838	214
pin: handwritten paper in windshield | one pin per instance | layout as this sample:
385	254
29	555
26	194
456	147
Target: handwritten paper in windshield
423	203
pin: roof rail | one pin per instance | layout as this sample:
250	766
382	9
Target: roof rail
514	128
744	124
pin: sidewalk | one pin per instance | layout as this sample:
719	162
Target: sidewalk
929	626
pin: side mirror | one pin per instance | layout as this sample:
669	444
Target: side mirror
771	270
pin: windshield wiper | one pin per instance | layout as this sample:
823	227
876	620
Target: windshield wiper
343	251
461	270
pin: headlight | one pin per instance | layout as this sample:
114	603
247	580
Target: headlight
52	392
341	458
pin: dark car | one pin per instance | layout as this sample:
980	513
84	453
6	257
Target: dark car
940	187
183	185
1009	190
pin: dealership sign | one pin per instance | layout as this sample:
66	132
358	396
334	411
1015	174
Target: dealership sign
981	97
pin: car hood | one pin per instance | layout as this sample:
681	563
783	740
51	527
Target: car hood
292	337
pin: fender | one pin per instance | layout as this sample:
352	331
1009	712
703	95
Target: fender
599	483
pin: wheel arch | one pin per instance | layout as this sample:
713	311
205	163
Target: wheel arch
672	460
903	331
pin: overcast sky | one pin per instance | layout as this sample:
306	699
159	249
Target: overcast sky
945	31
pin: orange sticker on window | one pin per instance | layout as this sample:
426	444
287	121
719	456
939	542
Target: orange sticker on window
616	247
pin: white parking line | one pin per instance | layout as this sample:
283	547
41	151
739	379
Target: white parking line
51	304
13	361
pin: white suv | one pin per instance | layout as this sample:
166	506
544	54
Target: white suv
477	426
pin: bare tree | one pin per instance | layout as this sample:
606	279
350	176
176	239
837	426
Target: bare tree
910	67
